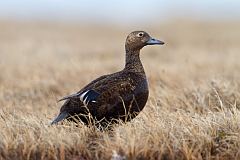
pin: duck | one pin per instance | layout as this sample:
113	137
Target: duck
112	97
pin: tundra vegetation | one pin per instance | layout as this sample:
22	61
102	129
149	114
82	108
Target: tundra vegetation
192	111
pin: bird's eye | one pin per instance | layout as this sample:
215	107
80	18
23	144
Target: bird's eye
140	34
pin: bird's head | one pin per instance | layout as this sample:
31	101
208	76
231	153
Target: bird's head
138	39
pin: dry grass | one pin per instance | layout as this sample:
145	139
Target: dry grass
193	109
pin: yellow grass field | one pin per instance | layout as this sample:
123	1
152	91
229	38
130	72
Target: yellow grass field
193	111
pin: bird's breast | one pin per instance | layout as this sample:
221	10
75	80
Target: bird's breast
141	86
141	94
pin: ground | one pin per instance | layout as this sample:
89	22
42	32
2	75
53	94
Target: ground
194	80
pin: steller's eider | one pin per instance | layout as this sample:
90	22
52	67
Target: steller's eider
121	95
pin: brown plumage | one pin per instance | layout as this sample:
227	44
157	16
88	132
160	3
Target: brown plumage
121	95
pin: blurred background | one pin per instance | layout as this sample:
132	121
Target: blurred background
124	12
54	47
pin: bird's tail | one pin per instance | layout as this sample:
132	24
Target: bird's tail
60	117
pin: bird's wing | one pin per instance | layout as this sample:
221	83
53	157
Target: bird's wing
119	87
75	95
86	93
93	83
105	92
104	88
85	96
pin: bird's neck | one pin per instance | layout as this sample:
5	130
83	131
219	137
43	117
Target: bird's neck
133	62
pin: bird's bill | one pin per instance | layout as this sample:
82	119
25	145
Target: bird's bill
153	41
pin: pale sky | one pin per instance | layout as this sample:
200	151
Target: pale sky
119	11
